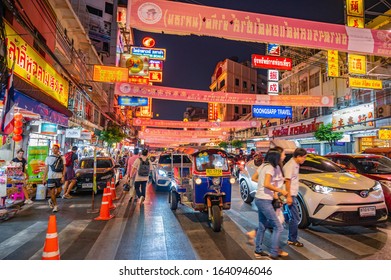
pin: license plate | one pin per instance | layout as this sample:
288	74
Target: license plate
367	211
86	186
214	172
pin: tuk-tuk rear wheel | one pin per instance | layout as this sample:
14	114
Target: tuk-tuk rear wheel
216	218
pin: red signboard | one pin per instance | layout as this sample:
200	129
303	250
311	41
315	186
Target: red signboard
155	76
271	62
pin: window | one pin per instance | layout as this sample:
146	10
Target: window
166	159
36	44
252	87
244	110
100	163
236	110
105	47
94	11
303	87
108	8
237	82
244	84
222	83
314	80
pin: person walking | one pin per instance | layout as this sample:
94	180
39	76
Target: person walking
131	160
71	159
267	176
291	172
141	169
23	163
55	174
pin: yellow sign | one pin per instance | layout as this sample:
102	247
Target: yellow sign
385	134
332	63
214	172
365	83
31	67
357	22
357	64
355	8
110	74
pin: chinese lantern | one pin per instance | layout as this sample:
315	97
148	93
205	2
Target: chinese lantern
17	137
18	130
18	123
18	117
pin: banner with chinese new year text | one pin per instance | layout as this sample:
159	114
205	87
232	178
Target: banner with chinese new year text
154	132
177	18
203	124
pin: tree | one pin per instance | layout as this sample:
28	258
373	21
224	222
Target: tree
326	133
237	144
112	134
223	145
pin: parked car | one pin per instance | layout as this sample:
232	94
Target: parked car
106	169
164	169
376	167
328	194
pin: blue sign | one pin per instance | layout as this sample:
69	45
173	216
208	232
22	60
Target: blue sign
49	128
276	112
132	101
151	52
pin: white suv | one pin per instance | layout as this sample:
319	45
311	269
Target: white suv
164	170
328	194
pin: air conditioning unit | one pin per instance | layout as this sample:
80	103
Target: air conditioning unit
383	111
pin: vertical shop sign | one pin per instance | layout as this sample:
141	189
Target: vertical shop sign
36	162
332	63
357	64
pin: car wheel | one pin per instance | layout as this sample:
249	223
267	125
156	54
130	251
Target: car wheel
245	192
303	214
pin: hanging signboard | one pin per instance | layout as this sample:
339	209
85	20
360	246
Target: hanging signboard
365	83
73	132
357	64
152	53
132	101
110	74
332	63
271	112
271	62
354	118
177	18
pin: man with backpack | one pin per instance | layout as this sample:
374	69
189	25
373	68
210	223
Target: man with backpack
141	168
70	177
55	174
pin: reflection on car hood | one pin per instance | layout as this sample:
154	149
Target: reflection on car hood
91	170
379	176
346	180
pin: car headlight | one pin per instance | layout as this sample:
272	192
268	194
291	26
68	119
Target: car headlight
386	183
162	172
106	177
377	186
216	180
320	188
232	180
198	181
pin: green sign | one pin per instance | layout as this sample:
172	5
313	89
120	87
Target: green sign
36	162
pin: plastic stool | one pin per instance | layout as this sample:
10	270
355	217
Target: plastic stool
19	195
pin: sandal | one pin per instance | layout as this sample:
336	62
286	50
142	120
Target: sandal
296	243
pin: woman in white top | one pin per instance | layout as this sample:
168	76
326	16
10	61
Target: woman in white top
270	179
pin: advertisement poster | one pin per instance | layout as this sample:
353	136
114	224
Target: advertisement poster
36	162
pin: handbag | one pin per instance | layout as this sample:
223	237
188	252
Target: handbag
276	203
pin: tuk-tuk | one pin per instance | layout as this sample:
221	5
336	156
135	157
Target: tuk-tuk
206	186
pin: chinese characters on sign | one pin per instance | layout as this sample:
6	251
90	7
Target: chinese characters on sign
357	64
110	74
354	118
355	13
272	87
332	63
273	75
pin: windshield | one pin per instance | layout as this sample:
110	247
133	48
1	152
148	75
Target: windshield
100	163
318	164
378	165
211	161
166	159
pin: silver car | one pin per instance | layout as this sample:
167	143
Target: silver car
328	194
167	165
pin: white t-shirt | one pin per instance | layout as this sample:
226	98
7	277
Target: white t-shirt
291	171
265	193
49	161
136	165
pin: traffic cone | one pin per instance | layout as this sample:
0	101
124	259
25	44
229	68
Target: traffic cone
109	199
50	249
104	214
112	189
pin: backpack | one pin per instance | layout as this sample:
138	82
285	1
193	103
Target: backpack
58	165
68	159
143	169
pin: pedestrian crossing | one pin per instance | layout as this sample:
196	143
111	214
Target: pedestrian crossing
154	232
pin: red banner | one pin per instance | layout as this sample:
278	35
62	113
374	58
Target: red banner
154	132
172	17
203	124
189	95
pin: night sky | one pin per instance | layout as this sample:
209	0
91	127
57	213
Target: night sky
191	60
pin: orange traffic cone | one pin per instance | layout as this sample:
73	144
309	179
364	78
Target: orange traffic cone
109	199
104	208
51	250
112	189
